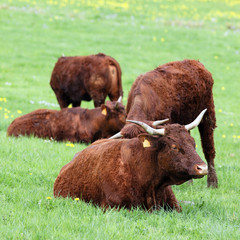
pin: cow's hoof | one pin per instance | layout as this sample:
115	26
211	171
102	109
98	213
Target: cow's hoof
213	184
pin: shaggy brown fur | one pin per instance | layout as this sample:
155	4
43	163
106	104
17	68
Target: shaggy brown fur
178	91
84	78
71	124
132	172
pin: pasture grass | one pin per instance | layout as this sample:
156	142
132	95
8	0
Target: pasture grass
140	35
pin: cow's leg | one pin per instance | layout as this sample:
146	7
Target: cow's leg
76	104
62	100
166	199
63	104
98	103
206	128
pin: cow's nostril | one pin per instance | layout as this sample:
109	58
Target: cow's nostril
201	169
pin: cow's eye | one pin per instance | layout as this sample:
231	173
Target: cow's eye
174	147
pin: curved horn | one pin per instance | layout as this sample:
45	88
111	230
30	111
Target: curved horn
155	123
196	121
148	129
118	101
117	135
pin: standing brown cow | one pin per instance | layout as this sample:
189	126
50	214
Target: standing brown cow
86	77
71	124
135	172
176	90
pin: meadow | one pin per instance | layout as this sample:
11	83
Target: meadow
140	35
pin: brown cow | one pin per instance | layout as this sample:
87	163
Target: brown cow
176	90
135	172
86	77
71	124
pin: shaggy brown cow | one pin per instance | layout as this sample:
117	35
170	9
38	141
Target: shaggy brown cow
176	90
71	124
135	172
84	78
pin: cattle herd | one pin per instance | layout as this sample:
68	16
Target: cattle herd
136	154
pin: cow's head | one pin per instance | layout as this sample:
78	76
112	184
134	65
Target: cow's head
115	115
175	148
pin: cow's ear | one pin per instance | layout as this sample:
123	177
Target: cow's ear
104	110
148	141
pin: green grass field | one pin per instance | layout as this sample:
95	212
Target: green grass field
140	35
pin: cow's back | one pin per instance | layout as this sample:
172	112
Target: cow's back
32	124
177	90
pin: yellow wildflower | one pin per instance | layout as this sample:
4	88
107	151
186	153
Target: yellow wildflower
49	198
162	39
223	88
220	110
69	144
76	199
19	111
223	136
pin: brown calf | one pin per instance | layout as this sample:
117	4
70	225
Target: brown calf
71	124
177	91
86	77
135	172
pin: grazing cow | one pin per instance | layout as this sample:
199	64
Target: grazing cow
86	77
71	124
135	172
176	90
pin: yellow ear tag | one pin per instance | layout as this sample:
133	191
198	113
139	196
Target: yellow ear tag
104	111
146	143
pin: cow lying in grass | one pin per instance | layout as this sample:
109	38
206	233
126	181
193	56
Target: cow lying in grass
71	124
177	91
135	172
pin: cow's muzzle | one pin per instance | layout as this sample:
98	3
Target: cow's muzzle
200	169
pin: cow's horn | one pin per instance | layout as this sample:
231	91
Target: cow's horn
155	123
117	135
196	121
148	129
118	101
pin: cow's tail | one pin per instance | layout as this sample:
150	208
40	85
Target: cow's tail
119	74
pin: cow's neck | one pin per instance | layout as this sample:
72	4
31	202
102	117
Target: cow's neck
145	168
